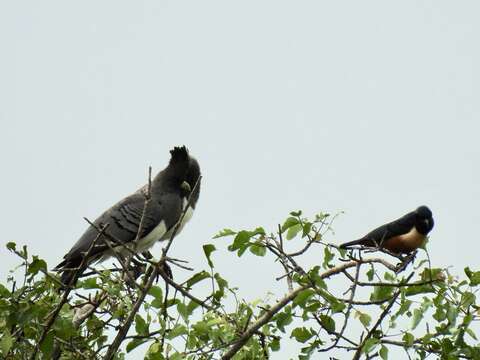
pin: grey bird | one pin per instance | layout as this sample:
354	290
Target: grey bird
172	190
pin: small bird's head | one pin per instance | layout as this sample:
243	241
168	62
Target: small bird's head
424	219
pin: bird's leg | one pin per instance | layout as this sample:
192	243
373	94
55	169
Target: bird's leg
165	267
129	266
405	261
168	270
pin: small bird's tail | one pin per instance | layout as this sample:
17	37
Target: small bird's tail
352	243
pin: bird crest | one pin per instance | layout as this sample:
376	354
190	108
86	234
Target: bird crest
179	154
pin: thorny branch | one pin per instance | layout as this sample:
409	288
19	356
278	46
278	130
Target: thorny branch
267	316
63	301
379	321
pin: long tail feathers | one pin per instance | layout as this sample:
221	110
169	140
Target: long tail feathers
67	268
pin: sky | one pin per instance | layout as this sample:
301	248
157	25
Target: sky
371	108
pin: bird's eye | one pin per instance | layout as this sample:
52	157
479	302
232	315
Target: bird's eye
185	186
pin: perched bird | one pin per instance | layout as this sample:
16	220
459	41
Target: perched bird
172	190
401	236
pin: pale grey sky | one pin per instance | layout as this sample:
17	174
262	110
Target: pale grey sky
369	107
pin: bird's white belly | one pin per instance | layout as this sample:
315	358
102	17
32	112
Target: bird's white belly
159	233
188	215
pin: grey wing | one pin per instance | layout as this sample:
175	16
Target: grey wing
123	221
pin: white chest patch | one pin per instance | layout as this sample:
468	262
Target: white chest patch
159	233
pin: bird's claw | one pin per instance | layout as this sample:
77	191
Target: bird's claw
404	261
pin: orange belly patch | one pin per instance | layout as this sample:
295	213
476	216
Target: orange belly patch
405	243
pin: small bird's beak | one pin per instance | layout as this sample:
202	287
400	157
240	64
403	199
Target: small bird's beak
428	223
185	186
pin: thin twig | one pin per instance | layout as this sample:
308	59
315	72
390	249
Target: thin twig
267	316
384	313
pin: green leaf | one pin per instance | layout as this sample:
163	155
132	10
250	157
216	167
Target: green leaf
283	319
440	314
335	305
192	305
202	275
242	249
90	283
183	311
222	283
419	289
156	292
370	344
208	249
327	257
7	341
259	231
11	246
134	343
473	276
141	327
307	226
468	299
224	232
381	293
293	231
404	307
432	274
302	298
201	328
47	345
301	334
177	330
417	317
240	240
275	344
452	314
157	303
370	274
155	352
328	323
313	275
383	352
258	249
364	318
36	265
4	292
291	221
389	276
296	213
471	333
408	338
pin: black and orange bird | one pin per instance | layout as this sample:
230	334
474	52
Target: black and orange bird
401	236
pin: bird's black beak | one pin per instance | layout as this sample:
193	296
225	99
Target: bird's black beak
185	186
428	223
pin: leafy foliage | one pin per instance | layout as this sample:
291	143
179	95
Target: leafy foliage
364	305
